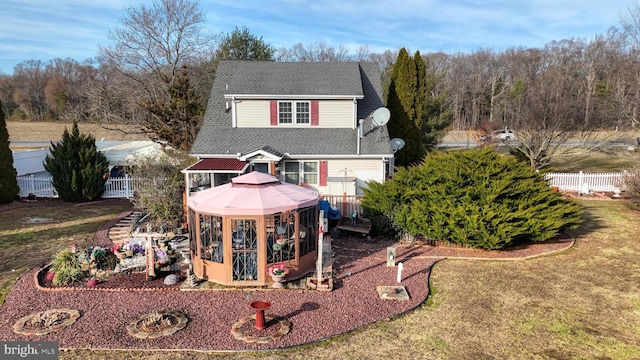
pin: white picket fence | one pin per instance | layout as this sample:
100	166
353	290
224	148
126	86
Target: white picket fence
125	187
122	187
586	182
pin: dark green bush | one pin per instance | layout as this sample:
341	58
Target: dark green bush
477	198
9	189
77	166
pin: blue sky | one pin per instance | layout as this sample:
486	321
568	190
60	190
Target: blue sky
46	29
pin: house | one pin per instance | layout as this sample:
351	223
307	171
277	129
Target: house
304	122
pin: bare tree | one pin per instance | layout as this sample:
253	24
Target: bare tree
152	44
314	52
29	82
153	41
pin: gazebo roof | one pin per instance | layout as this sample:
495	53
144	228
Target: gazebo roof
254	193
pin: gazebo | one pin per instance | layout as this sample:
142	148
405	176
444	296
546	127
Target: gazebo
239	229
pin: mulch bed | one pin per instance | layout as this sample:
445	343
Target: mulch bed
359	267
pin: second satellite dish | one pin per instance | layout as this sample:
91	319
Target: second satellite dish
381	116
396	144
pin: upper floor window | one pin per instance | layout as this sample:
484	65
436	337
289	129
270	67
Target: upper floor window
294	112
302	171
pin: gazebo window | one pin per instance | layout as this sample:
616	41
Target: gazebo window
244	240
280	237
211	248
307	230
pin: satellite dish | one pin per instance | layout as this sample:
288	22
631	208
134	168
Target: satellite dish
380	117
396	144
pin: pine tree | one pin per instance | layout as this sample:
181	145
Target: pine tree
9	189
77	167
178	120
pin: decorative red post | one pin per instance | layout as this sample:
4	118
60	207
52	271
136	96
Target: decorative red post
260	307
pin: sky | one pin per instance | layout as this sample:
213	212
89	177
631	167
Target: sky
48	29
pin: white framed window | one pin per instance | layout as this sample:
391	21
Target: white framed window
294	112
301	171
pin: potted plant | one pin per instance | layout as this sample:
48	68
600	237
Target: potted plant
277	273
118	251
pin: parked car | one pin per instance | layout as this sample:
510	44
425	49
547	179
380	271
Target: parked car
503	135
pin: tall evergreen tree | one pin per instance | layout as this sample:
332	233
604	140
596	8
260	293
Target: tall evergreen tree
242	45
8	175
419	114
178	120
77	167
401	102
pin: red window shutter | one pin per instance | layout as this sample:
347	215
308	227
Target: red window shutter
323	173
274	112
315	118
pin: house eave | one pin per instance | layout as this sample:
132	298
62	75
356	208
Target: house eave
289	97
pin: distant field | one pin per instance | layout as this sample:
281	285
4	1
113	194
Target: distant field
52	131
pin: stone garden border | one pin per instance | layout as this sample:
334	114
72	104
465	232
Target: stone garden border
285	326
181	323
19	325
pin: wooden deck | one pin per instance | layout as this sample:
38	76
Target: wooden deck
362	226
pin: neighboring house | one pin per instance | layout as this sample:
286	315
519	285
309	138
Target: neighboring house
304	122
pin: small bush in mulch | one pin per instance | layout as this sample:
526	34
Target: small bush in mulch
134	280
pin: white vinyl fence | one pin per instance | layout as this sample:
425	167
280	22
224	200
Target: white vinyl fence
124	187
586	182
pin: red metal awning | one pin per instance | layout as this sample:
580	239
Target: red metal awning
219	165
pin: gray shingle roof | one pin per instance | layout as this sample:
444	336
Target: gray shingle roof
217	137
301	78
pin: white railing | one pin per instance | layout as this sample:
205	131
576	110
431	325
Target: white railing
121	187
585	182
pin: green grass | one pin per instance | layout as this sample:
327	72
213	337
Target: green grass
26	244
611	160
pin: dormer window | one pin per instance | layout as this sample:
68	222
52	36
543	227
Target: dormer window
294	112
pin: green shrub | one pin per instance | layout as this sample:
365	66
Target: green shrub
64	260
66	267
477	198
68	276
77	166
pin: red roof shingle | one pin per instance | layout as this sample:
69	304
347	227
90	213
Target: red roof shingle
218	164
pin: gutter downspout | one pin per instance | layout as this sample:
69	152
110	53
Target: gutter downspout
359	136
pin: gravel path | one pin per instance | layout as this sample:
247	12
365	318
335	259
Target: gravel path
314	315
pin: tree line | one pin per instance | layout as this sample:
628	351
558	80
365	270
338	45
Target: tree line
141	78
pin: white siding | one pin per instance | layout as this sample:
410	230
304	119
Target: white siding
336	114
253	113
257	113
361	169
